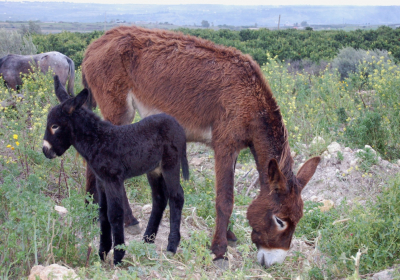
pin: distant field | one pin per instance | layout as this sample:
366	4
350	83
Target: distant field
55	27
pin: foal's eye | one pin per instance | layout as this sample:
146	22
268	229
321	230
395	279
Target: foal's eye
54	127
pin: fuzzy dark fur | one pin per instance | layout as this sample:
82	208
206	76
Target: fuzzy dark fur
155	146
12	65
220	97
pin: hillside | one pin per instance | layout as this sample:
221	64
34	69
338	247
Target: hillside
194	14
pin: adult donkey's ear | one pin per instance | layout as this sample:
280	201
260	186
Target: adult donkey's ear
61	93
75	103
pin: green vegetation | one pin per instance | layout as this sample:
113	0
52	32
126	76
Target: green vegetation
295	45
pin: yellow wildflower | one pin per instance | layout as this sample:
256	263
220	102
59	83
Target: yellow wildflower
15	136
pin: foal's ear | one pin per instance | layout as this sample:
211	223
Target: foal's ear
277	180
307	171
61	93
75	103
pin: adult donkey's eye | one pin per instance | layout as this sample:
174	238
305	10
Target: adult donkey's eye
54	127
280	223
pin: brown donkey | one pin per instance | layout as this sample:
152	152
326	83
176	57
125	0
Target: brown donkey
221	98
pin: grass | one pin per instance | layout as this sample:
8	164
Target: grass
32	232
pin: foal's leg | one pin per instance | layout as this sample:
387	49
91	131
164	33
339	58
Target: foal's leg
114	194
160	198
105	227
224	171
176	201
117	114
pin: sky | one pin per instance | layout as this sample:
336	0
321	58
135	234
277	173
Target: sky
233	2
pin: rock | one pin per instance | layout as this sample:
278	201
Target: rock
328	205
347	150
334	147
61	210
197	161
353	162
318	140
326	155
52	272
369	147
398	162
384	275
147	208
238	166
293	154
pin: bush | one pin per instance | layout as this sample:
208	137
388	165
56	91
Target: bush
349	59
12	42
367	130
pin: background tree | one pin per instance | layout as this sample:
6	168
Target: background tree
205	23
304	23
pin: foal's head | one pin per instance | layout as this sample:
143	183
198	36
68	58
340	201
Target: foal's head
58	134
274	214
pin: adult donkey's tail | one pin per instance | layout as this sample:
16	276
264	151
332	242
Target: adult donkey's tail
184	163
90	102
71	79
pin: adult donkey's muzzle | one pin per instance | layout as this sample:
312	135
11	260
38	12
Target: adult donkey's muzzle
47	150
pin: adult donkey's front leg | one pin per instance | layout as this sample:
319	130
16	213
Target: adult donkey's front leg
224	171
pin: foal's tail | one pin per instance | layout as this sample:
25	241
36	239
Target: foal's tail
184	163
71	79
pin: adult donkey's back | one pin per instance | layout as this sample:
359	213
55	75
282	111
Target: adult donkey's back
221	98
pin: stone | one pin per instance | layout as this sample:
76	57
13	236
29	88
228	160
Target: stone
197	161
326	155
369	147
347	150
328	205
293	154
52	272
61	210
334	147
318	140
147	208
353	162
384	275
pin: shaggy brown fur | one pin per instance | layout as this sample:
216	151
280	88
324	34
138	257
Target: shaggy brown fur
216	93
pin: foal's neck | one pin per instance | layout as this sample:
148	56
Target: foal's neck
87	131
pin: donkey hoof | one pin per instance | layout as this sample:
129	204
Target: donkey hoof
232	243
221	263
133	229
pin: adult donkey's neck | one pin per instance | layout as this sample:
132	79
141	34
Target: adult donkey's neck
270	137
88	130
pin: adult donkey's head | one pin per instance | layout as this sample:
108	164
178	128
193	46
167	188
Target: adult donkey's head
274	214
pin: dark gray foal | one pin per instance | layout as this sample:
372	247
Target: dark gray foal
156	146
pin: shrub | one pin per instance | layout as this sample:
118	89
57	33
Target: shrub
348	60
15	43
368	129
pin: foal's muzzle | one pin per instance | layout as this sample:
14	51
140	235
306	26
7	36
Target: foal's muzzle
47	150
